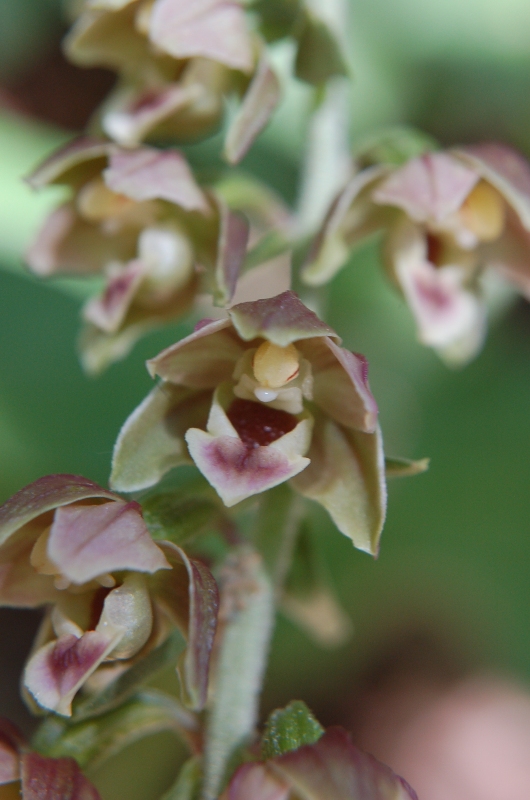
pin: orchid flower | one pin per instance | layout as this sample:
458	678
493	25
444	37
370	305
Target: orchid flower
447	218
139	218
178	62
110	592
263	397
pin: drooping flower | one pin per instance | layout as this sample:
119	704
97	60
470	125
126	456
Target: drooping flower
447	218
177	62
27	775
263	397
140	219
111	593
331	768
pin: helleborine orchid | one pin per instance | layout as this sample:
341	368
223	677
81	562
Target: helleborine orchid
447	217
111	592
140	219
178	62
263	397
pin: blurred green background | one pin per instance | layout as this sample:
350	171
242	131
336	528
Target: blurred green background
455	558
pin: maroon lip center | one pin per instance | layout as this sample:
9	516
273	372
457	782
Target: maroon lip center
258	425
435	249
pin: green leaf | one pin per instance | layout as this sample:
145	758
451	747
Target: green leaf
319	55
188	784
394	146
179	516
93	741
241	665
126	684
404	467
288	729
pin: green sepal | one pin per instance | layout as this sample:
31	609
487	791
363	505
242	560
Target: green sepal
128	682
93	741
319	56
278	18
394	146
288	729
188	784
404	467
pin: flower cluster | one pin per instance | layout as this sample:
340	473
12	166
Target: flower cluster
447	217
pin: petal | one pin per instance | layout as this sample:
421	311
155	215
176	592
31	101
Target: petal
334	768
429	188
20	585
57	670
504	168
87	541
201	361
267	280
44	495
237	471
259	102
255	781
191	596
69	164
151	441
320	615
54	779
234	232
214	29
448	315
340	384
347	477
107	39
351	218
281	320
149	174
66	243
129	115
108	311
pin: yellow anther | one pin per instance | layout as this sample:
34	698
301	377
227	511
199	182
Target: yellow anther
97	202
484	212
39	558
275	366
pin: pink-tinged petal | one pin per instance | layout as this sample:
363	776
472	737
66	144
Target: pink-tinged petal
259	102
504	168
335	768
151	441
68	163
66	243
449	317
108	311
87	541
11	741
429	188
44	495
131	115
200	361
149	174
56	671
54	779
214	29
351	218
281	320
190	595
340	384
255	782
232	243
347	477
238	469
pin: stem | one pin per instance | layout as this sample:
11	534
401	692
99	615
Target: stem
327	159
